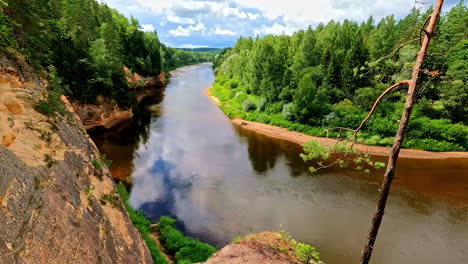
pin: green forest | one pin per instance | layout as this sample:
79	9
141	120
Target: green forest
330	76
84	46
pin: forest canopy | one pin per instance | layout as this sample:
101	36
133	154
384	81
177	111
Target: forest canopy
87	45
330	76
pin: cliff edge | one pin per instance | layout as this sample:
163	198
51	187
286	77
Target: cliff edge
56	204
265	248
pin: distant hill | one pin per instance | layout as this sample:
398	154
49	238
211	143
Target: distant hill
210	50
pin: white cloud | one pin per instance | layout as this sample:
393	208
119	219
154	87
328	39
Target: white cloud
230	12
276	29
244	17
253	16
220	31
180	32
182	12
147	28
179	20
198	27
302	13
184	32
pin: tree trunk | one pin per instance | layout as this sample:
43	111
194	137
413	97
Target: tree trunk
392	160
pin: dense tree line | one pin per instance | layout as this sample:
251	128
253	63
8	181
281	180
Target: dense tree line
330	76
87	43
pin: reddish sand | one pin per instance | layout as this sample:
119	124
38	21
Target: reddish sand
299	138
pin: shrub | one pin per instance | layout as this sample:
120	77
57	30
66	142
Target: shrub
184	261
165	221
232	84
194	252
288	111
53	104
232	94
106	160
97	164
142	225
186	249
305	253
261	103
248	105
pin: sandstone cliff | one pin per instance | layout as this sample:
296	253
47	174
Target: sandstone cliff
106	113
137	81
55	206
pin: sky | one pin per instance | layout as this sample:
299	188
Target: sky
218	23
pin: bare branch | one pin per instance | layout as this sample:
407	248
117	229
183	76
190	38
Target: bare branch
421	92
423	29
376	103
389	89
395	51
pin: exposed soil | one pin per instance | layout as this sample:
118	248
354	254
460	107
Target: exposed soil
267	247
169	258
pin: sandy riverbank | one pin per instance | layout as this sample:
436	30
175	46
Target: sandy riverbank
299	138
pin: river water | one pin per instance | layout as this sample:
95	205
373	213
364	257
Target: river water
185	159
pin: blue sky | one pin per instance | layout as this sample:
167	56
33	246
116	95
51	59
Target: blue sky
218	23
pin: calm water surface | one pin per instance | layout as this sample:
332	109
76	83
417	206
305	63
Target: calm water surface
185	159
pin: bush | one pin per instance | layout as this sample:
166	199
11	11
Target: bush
186	249
97	164
142	225
52	105
261	103
438	129
194	252
288	111
305	253
232	84
248	105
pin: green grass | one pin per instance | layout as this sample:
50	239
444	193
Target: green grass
185	249
142	225
52	105
97	164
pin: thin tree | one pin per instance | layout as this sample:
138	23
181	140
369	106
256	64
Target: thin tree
427	33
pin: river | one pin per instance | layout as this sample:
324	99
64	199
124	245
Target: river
184	158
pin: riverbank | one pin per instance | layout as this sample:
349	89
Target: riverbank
301	138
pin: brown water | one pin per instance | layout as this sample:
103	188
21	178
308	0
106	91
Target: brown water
185	159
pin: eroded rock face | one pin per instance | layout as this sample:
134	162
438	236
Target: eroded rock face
135	80
106	114
55	207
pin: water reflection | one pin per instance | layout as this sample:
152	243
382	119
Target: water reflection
221	181
120	143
